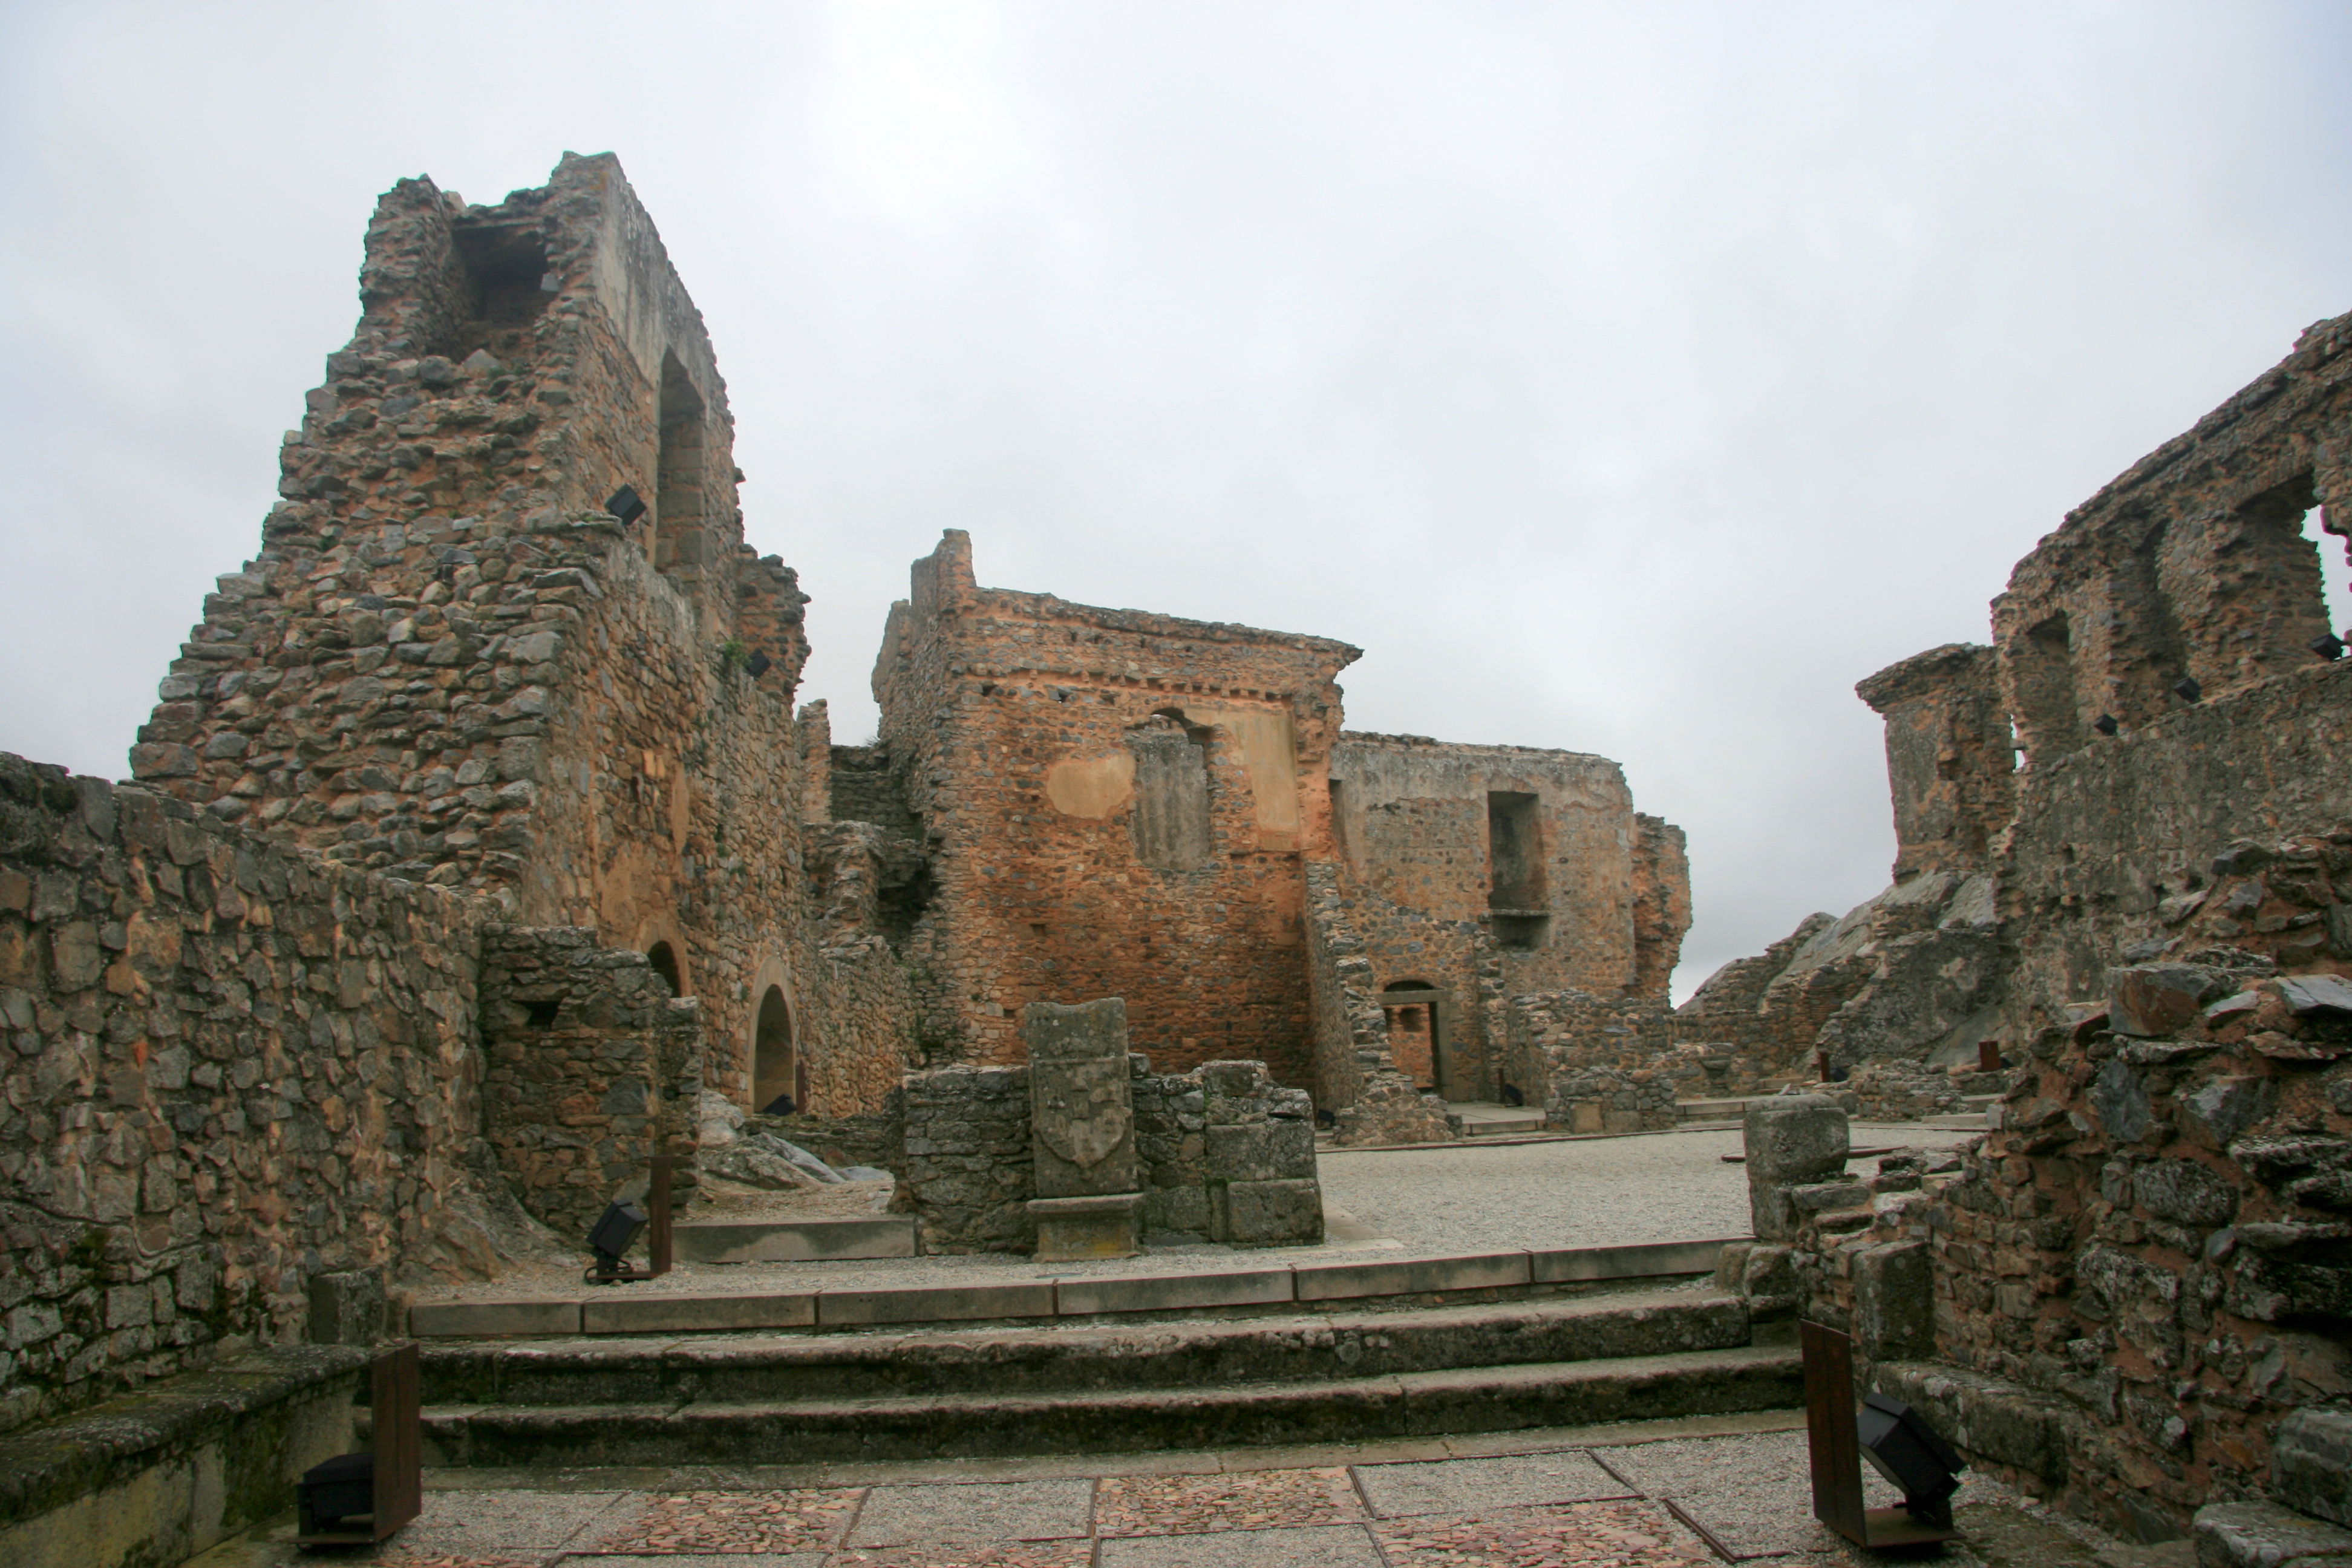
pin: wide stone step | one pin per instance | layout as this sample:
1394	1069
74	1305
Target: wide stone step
1182	1355
794	1240
1421	1403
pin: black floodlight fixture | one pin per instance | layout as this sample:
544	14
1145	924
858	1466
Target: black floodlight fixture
626	504
1908	1452
2188	691
613	1235
757	665
2328	646
2106	724
330	1493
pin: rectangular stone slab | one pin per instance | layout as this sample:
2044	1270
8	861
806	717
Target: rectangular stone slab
469	1319
836	1309
1637	1261
1412	1277
1172	1292
689	1314
793	1241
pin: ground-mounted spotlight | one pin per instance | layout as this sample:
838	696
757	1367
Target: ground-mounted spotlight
2106	724
358	1500
610	1239
1889	1434
757	665
626	504
2328	646
1906	1451
616	1229
2186	688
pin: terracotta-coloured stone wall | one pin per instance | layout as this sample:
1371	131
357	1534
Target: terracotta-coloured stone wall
1045	746
1949	758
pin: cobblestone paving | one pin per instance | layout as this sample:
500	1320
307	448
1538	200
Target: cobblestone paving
1594	1502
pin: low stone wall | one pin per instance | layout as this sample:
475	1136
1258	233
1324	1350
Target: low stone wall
1602	1064
231	1068
1223	1154
592	1066
2145	1269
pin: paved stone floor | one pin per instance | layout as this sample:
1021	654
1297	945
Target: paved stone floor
1627	1495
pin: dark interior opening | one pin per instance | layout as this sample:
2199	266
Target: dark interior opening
1514	852
678	507
505	263
664	962
772	1057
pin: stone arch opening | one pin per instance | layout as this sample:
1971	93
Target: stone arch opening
663	958
779	1082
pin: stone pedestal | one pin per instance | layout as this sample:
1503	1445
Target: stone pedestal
1082	1129
1071	1229
1793	1140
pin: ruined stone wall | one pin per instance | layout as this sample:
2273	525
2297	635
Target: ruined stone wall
2144	1268
1728	1008
1662	905
1595	1064
1950	762
1417	820
448	661
2119	1296
865	788
1118	804
969	1169
1356	1075
2190	564
233	1067
592	1068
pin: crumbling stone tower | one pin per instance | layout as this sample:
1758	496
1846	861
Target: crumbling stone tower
450	663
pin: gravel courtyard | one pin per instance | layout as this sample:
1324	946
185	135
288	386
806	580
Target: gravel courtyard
1582	1192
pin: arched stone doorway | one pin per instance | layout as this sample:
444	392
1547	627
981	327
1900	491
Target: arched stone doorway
663	958
777	1072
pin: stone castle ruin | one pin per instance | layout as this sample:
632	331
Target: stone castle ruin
474	850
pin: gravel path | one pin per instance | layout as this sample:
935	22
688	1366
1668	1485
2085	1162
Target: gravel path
1588	1192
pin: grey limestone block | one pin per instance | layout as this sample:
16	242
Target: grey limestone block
347	1308
1269	1213
2311	1462
1795	1138
1894	1301
2263	1535
1262	1152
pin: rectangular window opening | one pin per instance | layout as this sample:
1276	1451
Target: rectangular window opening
1515	853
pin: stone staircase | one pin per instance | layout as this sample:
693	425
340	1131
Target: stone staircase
1400	1368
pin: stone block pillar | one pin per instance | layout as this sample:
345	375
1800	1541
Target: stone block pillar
1082	1130
1793	1141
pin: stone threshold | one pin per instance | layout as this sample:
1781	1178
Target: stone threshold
615	1309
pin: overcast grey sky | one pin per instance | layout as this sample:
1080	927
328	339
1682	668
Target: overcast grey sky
1631	379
